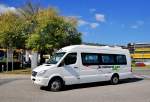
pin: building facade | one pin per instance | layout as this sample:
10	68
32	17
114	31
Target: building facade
140	52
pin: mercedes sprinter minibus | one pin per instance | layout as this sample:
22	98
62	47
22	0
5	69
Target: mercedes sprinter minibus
79	64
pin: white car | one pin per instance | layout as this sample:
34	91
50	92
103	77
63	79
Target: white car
83	64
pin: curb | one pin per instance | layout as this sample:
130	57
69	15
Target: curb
142	76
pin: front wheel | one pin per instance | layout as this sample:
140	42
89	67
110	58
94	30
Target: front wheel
114	80
56	85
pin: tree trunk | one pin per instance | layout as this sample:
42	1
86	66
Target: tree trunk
9	58
42	60
12	60
34	59
27	56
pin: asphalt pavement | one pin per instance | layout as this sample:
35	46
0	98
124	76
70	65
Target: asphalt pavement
21	89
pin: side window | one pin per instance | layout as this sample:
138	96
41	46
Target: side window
90	59
121	59
108	59
71	58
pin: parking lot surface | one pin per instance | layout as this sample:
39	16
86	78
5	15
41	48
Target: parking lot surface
21	89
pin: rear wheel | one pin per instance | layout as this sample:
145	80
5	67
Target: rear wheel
56	85
114	80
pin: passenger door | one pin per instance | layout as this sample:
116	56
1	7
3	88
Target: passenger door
113	63
89	70
71	69
107	64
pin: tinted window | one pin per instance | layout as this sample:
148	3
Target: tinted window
103	59
108	59
90	59
56	58
121	59
71	58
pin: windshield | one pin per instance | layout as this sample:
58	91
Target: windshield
55	58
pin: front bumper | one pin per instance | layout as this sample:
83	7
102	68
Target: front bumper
40	81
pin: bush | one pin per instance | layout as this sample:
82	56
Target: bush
16	66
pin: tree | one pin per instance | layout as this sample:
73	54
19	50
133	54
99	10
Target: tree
29	12
11	33
73	36
52	32
11	30
41	30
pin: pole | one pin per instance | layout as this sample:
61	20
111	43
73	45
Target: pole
7	61
12	60
2	68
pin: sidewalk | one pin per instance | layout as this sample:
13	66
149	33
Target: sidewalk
3	75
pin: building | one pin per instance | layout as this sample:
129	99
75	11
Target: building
140	52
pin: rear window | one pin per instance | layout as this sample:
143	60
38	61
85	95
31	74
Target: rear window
121	59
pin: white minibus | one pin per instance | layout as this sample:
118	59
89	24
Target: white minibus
79	64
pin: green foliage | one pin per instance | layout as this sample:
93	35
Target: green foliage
38	29
33	42
11	30
52	32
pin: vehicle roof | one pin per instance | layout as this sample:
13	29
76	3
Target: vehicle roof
91	48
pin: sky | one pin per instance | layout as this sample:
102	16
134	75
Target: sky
113	22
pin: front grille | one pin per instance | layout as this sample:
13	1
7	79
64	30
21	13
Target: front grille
34	73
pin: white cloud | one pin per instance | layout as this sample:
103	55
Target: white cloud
111	23
92	10
138	24
82	22
94	25
122	25
85	33
134	26
100	17
4	9
77	17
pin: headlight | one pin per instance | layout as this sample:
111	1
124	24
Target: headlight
41	73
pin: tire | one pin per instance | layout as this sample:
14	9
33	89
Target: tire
114	80
56	85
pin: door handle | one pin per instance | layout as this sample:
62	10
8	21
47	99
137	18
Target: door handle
99	67
75	67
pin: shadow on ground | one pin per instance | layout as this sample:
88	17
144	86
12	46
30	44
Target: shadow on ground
96	84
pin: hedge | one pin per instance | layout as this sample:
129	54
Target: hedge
16	66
